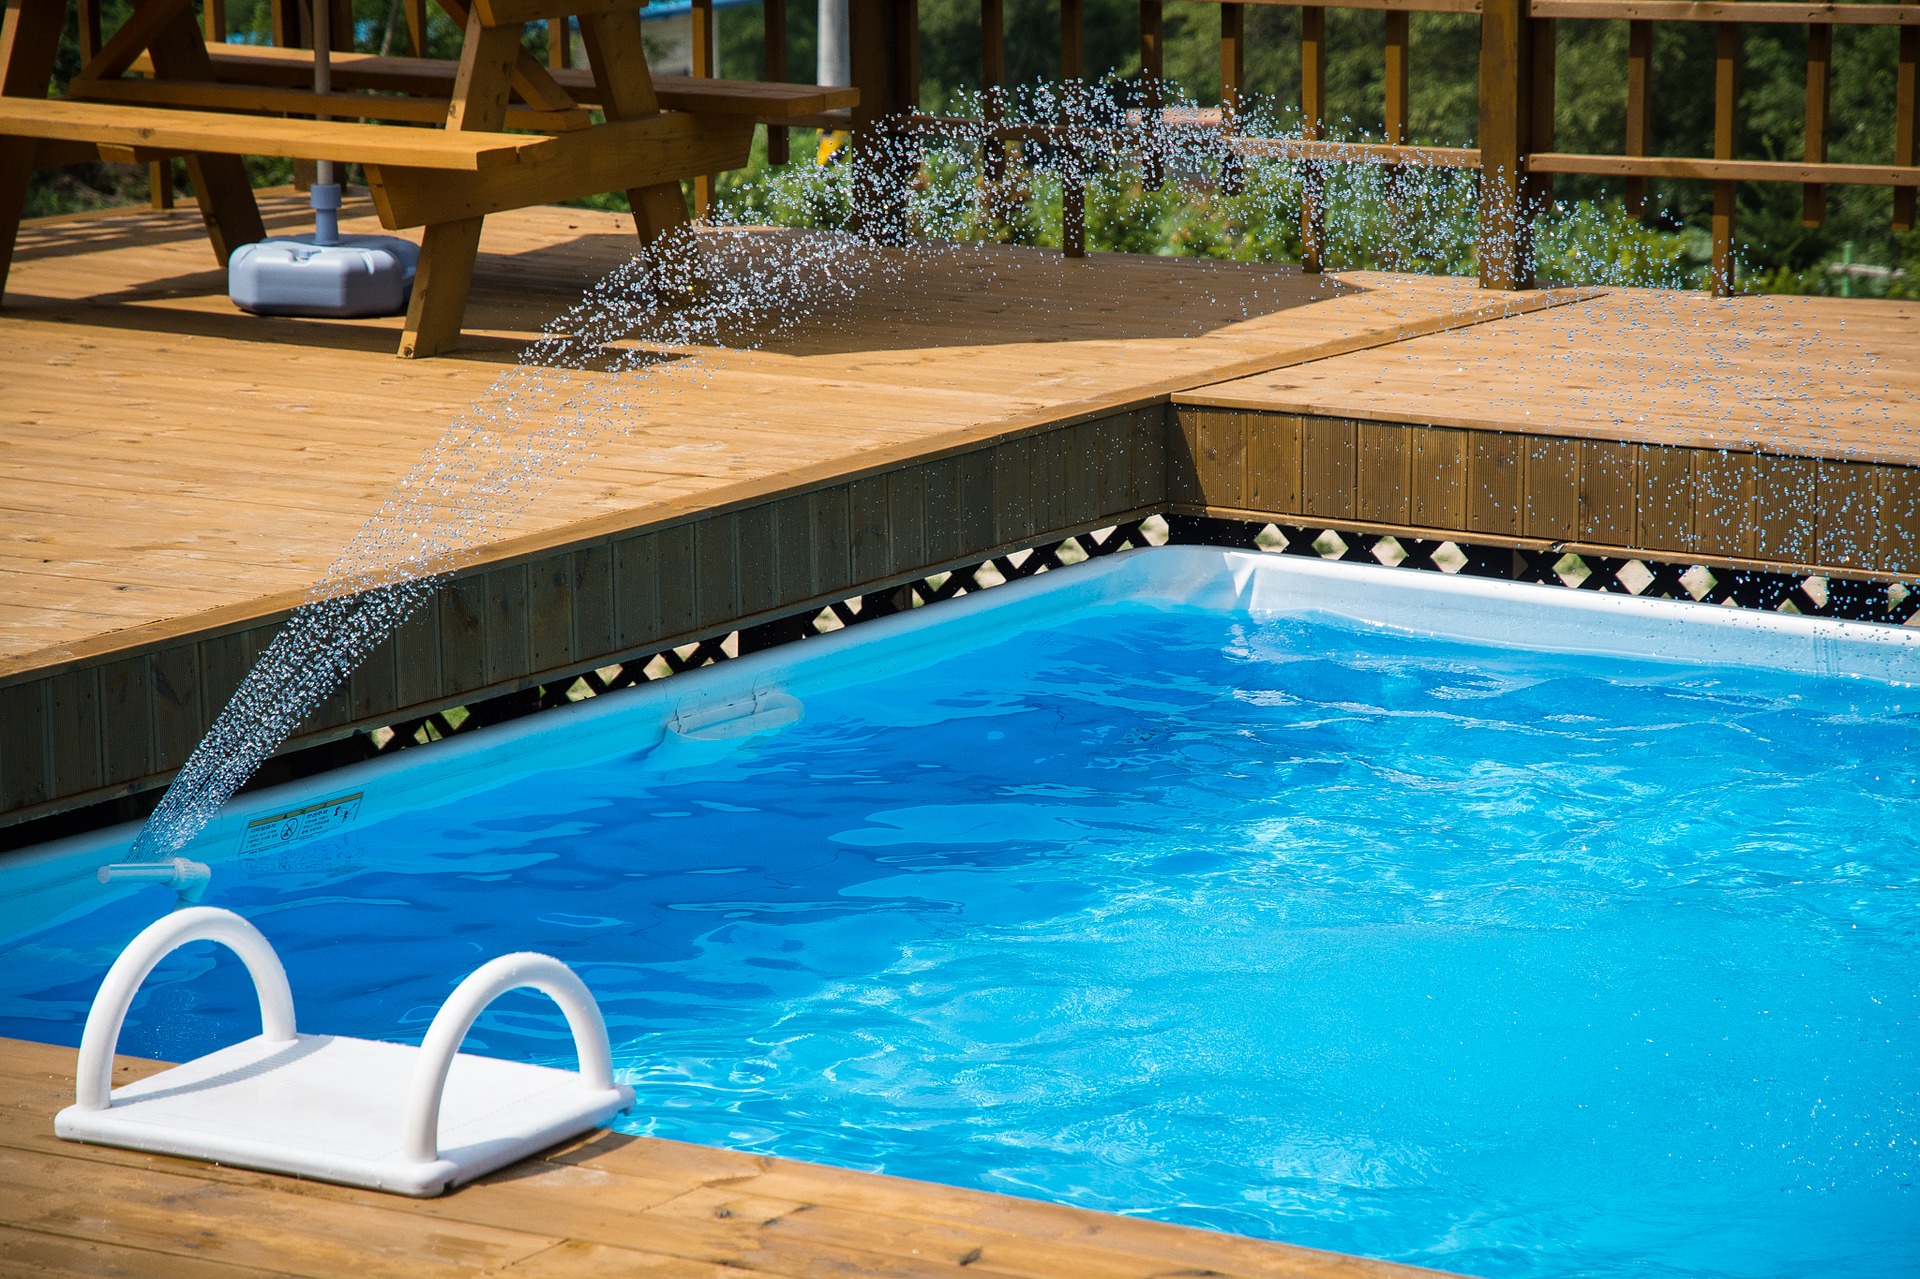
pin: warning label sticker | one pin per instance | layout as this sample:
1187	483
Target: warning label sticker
300	825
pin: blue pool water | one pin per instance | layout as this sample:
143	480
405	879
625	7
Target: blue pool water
1508	964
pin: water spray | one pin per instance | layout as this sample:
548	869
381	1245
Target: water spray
907	201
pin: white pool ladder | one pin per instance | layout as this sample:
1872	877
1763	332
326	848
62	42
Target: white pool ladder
358	1111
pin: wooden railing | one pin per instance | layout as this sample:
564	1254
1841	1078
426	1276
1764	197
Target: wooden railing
1515	138
1515	153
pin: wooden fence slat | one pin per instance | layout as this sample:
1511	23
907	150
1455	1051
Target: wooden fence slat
1495	479
173	684
833	539
1906	122
716	571
1219	456
1112	444
25	775
1505	239
1327	467
1552	489
1666	499
1046	481
124	704
1147	456
758	559
463	634
1439	488
1899	541
506	623
550	613
867	505
1609	492
977	520
637	620
594	631
1013	520
224	662
793	552
1723	503
75	760
1082	462
943	524
416	655
1786	494
372	688
1848	502
674	570
1726	137
1384	457
1273	463
1313	126
906	520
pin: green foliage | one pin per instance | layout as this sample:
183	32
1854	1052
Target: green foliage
1377	218
1423	225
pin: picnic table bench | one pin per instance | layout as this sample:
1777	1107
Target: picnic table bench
513	133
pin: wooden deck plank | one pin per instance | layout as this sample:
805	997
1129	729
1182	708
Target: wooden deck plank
1813	377
128	359
605	1204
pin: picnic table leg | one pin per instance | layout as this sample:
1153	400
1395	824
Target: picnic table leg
220	182
29	41
618	57
448	252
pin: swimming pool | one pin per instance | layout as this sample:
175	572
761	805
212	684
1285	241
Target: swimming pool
1295	899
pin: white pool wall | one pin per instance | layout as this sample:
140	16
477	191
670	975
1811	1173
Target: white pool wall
57	878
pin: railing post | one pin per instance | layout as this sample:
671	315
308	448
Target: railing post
1398	78
1505	245
993	44
704	59
1313	126
877	36
1639	106
1813	196
993	90
1906	124
1543	39
416	14
1395	130
1073	40
1233	75
1726	138
1152	97
773	39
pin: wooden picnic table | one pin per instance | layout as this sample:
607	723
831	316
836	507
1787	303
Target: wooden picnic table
511	132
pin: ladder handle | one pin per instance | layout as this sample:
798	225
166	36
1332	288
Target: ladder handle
420	1141
93	1082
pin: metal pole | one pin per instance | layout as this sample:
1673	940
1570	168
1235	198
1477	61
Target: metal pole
836	57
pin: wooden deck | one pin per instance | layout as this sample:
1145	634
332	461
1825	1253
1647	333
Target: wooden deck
174	474
606	1205
1813	377
163	455
1755	432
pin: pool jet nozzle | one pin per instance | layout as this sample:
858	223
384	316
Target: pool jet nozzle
188	878
324	274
